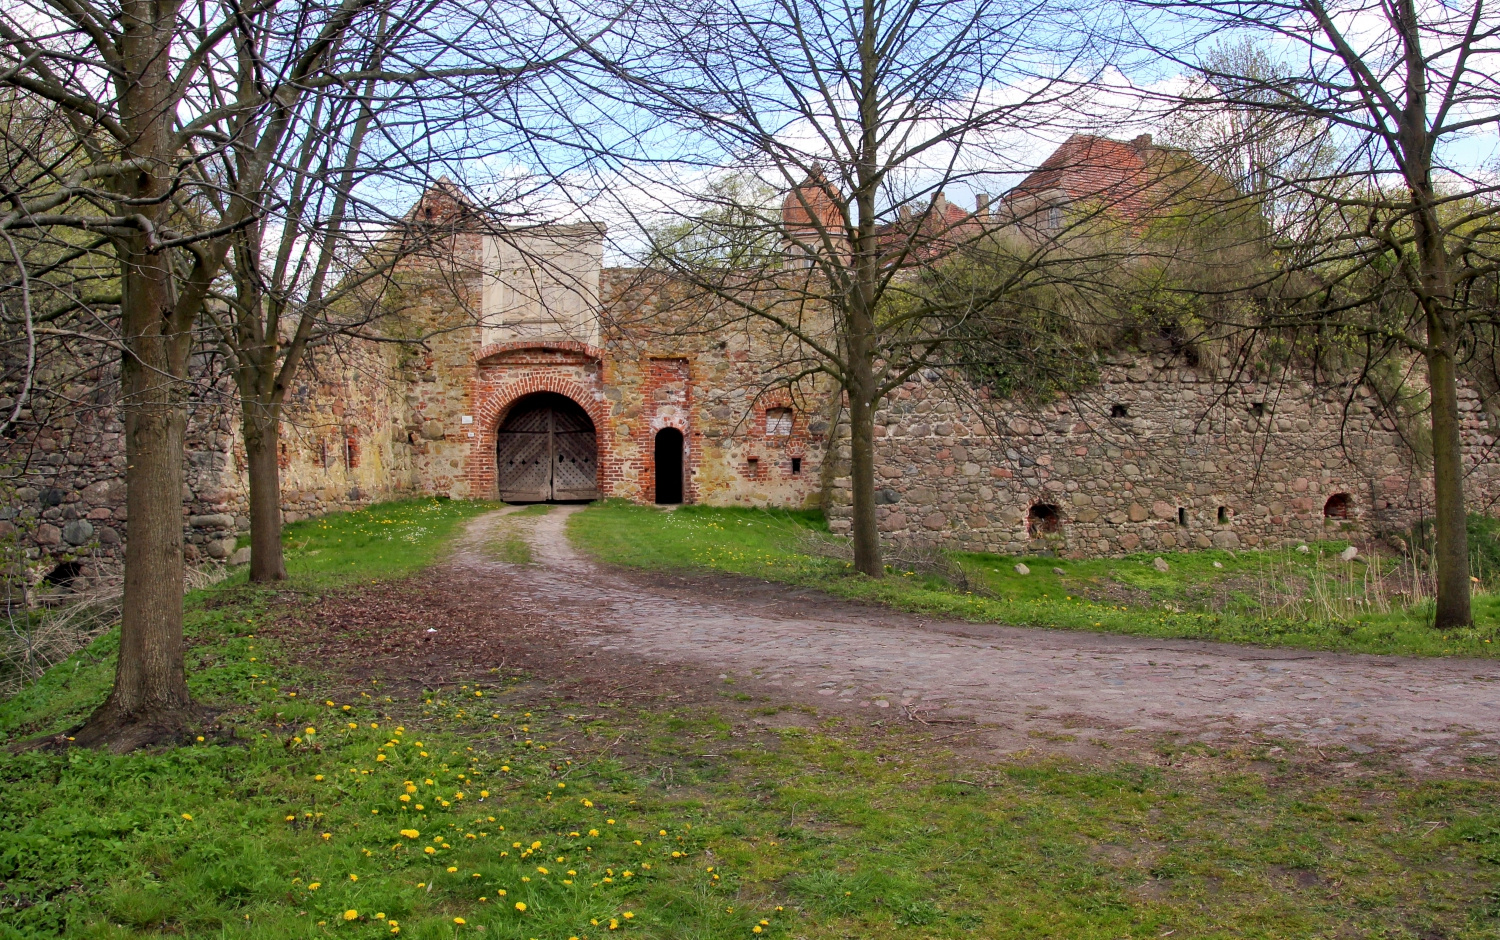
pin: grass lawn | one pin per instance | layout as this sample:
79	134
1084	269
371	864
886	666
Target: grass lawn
1280	598
494	807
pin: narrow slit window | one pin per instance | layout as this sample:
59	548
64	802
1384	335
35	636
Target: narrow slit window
796	465
1223	515
1181	515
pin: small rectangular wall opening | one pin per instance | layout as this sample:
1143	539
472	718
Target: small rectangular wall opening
752	468
796	465
1181	515
1223	515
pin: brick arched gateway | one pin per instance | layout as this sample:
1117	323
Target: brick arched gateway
495	403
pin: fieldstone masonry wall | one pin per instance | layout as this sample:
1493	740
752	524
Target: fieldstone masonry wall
1157	457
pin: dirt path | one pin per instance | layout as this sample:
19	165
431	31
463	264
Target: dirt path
1086	694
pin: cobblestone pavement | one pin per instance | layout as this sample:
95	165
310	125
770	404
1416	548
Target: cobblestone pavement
1027	688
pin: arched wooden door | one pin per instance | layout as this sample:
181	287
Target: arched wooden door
547	451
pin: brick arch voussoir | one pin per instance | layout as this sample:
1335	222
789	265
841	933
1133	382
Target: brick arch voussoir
494	409
573	346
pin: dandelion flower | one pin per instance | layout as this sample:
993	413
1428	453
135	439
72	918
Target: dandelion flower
351	914
315	886
452	869
430	850
521	906
410	833
353	877
188	816
310	730
459	921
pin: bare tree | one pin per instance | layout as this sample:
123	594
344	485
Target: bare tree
1406	214
175	117
867	115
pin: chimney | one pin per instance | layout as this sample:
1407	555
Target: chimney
982	205
1141	142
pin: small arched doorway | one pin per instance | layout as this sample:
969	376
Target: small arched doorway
668	454
547	451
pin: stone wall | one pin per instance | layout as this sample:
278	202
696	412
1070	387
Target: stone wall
1156	457
669	361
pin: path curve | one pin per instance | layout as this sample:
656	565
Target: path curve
1030	685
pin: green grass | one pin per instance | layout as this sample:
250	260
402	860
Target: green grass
1278	598
510	543
389	540
825	830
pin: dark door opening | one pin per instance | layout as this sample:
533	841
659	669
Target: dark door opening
668	466
546	451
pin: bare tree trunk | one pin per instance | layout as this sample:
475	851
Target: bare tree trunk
262	429
1450	521
150	701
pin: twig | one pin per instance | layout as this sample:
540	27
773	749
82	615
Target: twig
954	734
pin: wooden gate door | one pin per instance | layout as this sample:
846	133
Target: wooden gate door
547	452
574	456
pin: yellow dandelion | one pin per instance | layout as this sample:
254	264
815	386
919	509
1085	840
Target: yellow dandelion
521	906
188	816
351	914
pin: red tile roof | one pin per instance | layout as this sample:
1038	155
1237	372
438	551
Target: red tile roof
1128	178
